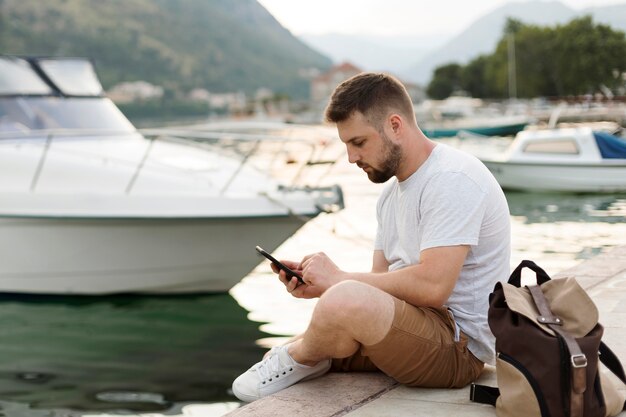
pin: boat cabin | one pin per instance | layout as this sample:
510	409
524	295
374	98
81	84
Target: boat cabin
54	93
573	145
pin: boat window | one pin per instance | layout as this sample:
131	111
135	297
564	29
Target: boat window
22	114
561	146
74	77
18	77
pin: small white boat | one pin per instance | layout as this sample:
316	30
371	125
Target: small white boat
88	205
566	160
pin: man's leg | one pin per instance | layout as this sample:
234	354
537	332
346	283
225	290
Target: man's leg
348	315
422	349
414	345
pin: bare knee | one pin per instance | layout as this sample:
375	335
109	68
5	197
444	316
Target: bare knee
341	301
357	308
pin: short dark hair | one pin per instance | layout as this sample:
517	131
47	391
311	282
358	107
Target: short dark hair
374	95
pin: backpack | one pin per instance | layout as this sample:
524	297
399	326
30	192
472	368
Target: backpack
548	344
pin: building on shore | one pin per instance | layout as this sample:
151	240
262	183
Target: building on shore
130	91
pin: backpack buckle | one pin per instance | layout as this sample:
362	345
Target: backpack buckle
579	361
550	320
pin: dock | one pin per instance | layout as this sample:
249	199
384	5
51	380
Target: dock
376	395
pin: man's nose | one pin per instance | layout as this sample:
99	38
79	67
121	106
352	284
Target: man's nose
353	156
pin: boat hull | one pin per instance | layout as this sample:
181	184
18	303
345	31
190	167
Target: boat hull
105	256
575	177
501	130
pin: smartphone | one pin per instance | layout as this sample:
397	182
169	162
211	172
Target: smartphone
290	273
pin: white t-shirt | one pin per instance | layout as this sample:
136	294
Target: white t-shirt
452	199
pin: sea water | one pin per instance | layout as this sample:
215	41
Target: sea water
177	355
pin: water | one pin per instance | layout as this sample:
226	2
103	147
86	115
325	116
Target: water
124	352
129	355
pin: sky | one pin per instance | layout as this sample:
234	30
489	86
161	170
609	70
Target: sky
390	17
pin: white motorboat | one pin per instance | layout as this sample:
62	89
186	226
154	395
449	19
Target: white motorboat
563	159
88	205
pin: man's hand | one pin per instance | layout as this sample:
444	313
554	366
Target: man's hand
292	285
321	272
318	272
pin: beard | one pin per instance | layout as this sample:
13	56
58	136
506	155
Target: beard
392	155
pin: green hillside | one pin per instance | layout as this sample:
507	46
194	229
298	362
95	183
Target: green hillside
220	45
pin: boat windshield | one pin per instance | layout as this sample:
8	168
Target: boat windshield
17	77
48	76
23	114
54	93
74	77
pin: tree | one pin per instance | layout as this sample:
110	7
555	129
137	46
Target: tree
577	58
512	26
475	80
534	61
588	56
446	79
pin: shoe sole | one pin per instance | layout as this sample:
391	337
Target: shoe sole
245	398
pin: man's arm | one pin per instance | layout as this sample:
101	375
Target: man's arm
428	283
379	264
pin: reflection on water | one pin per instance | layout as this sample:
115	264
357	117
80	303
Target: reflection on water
560	230
122	352
580	208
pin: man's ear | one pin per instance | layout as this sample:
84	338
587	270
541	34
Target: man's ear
396	123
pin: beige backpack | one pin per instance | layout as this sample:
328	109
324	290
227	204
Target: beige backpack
549	349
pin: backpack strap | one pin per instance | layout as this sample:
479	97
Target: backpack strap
578	360
610	360
516	276
484	394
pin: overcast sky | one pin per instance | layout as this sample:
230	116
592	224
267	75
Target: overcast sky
390	17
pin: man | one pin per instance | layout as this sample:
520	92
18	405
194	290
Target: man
443	241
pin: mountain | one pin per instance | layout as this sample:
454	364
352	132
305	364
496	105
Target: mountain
482	36
220	45
614	15
372	53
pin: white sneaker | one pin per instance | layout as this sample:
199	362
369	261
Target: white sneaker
275	373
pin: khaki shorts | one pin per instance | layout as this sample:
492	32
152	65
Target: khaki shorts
419	350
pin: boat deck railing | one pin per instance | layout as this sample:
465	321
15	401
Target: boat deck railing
300	154
49	135
263	151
